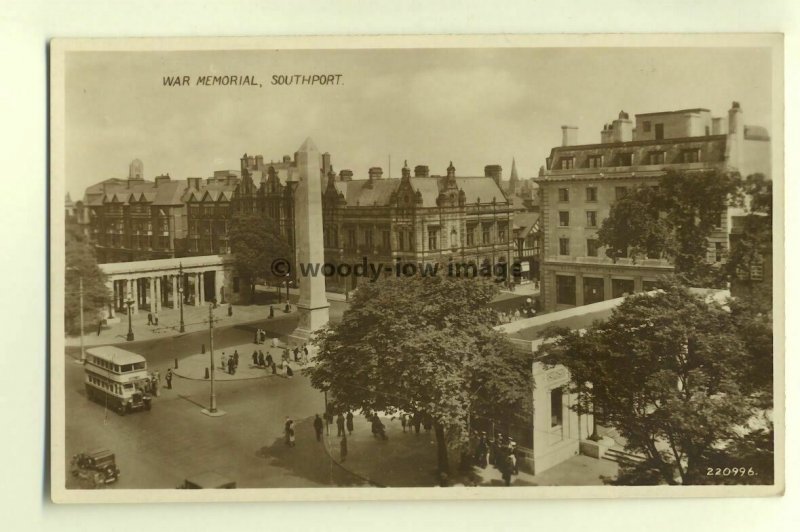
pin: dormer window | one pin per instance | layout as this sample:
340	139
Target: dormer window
567	163
625	159
595	161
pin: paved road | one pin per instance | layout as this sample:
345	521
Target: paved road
160	448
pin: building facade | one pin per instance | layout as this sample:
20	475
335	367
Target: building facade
422	219
582	181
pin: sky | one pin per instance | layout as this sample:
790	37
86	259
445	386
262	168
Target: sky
427	106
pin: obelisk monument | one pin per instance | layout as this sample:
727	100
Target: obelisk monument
313	304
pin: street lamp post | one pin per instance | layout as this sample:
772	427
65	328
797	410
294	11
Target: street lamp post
129	302
180	296
287	288
213	407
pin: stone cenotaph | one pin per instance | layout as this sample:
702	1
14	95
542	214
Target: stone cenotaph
313	303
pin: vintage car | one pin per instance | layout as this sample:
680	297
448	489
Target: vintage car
96	468
210	480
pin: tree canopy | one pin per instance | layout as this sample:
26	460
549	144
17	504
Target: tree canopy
256	242
426	345
81	263
669	370
675	220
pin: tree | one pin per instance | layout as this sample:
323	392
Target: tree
81	263
667	369
634	227
751	243
256	243
675	220
423	345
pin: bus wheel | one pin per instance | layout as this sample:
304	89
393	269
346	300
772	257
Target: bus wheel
122	410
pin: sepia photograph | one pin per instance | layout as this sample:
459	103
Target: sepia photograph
416	267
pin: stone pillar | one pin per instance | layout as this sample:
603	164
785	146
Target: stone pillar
607	287
174	279
579	289
196	290
219	280
153	301
637	283
201	282
134	287
312	303
159	296
110	310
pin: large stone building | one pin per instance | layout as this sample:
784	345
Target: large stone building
582	181
420	219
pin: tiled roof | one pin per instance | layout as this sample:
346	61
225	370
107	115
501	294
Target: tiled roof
121	191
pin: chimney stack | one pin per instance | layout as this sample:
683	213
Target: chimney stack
375	172
326	163
569	135
346	175
495	171
421	171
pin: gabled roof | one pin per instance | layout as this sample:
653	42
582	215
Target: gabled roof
480	188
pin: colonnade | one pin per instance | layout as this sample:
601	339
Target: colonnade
163	291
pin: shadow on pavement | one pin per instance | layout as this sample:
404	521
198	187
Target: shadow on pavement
308	458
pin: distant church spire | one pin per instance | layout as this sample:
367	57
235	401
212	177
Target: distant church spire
514	177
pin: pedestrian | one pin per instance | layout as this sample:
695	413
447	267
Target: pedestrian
271	312
149	318
223	362
287	424
285	353
260	362
417	421
291	434
274	369
340	425
99	327
269	360
230	366
349	422
235	358
154	385
507	468
296	353
169	379
255	337
512	452
403	422
230	310
318	427
343	449
289	371
255	358
516	315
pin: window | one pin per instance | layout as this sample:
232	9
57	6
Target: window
591	218
567	163
595	161
659	131
563	246
655	157
501	232
591	247
620	192
471	235
433	238
563	218
387	240
691	156
591	193
565	290
556	407
351	238
621	287
368	238
563	194
486	236
625	159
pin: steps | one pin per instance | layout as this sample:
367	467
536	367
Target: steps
618	455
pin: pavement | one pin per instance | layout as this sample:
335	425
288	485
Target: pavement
195	366
408	459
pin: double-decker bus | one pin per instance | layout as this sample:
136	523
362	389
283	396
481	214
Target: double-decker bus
116	378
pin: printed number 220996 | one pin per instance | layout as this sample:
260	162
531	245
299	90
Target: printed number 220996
730	472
